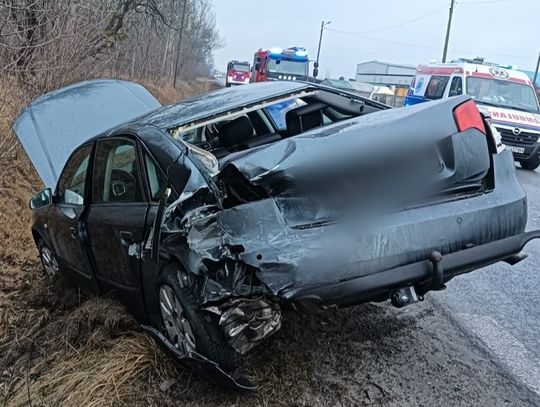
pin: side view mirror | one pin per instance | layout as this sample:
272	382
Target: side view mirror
42	198
178	176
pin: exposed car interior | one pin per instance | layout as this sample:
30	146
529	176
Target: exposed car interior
239	132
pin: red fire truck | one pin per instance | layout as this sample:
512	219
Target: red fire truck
288	64
237	73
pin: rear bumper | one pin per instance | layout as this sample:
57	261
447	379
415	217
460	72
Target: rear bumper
420	274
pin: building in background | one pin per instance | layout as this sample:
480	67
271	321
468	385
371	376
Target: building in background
397	77
340	83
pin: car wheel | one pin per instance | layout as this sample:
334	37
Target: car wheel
530	164
188	328
48	259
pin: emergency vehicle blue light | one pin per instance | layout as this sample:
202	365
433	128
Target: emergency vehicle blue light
301	53
276	50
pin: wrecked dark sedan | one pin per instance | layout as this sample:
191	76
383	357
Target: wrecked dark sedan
209	217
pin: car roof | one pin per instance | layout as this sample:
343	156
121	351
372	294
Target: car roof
220	101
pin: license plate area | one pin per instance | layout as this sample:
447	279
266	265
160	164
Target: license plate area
519	150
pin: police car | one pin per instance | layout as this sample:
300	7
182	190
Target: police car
501	92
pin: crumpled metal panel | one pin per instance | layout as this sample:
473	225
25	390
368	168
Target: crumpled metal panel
247	321
53	125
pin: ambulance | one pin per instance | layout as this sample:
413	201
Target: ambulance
500	92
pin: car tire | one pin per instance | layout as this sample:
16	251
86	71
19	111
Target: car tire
48	259
202	331
531	164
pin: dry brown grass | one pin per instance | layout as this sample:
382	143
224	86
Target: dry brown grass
57	348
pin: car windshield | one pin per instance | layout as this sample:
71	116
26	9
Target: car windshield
240	67
287	66
503	93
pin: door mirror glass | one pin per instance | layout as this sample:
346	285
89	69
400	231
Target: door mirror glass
41	199
456	87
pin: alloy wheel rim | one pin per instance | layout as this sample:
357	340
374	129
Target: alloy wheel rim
174	317
49	261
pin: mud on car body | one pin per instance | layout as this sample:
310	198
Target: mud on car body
210	216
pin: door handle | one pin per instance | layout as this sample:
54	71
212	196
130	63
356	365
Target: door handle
73	232
126	238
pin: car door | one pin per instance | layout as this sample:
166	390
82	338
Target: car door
65	226
116	219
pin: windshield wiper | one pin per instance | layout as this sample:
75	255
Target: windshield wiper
521	109
487	103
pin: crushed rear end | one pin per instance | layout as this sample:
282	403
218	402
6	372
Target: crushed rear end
398	201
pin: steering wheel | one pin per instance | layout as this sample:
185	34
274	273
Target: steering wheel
121	182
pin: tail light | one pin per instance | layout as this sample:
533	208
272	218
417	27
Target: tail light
468	117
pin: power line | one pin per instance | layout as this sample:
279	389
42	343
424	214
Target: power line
381	40
403	23
407	44
483	2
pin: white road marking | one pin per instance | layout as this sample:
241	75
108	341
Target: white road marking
520	361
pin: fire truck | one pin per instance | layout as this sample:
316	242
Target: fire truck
288	64
237	73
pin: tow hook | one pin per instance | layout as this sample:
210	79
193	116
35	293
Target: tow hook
401	297
436	283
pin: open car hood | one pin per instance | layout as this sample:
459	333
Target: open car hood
53	125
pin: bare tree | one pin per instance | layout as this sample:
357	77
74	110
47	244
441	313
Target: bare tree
46	43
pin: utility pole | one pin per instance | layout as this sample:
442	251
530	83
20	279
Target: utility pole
179	44
448	30
316	65
536	71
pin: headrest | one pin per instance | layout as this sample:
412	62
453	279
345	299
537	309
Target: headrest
235	132
304	118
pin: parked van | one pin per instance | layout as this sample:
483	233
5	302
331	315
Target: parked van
501	92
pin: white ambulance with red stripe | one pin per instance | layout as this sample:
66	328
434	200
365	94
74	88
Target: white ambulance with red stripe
501	92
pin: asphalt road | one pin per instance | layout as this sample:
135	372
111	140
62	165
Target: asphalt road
500	305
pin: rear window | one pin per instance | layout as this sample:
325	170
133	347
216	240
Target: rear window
436	86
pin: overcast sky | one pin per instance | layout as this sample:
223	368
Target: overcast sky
503	31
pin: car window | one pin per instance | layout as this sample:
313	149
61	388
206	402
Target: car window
436	86
456	86
278	111
194	136
157	181
116	172
72	182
